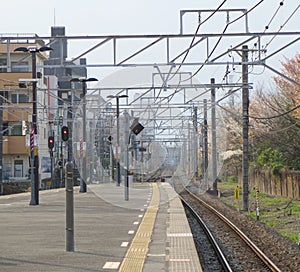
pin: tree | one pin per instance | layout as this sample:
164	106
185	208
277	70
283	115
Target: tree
291	92
275	118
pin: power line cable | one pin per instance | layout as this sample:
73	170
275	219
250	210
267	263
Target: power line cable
196	32
282	26
274	15
216	45
220	38
275	116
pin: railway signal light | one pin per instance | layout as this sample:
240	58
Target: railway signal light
65	133
51	142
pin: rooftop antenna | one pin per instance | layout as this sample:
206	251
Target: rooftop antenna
54	18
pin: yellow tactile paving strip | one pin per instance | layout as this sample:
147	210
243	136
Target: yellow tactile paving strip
137	252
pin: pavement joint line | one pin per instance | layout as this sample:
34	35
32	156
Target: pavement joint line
135	257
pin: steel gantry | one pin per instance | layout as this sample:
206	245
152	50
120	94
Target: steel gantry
172	92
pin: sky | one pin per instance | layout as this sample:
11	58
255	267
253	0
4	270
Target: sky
120	17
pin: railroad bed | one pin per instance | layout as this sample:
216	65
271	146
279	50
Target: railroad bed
284	253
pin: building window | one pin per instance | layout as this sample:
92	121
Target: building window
16	130
3	62
18	168
19	66
5	95
23	98
14	98
5	128
19	98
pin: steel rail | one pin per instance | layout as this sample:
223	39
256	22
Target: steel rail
210	237
255	249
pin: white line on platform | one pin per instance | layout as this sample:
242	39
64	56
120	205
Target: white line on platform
180	260
111	265
188	234
156	255
124	244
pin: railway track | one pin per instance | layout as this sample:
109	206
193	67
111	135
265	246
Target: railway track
241	253
210	254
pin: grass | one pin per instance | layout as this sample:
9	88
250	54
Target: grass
282	214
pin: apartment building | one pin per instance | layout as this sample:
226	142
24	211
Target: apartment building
17	107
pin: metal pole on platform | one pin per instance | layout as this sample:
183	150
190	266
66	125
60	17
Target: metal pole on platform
35	183
83	179
1	145
83	80
117	97
69	208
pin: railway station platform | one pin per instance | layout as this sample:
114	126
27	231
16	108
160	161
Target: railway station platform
149	232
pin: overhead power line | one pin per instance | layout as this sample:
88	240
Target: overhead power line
275	116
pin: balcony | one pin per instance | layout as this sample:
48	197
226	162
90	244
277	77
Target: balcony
14	145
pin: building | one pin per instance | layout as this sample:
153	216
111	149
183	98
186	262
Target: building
69	95
17	106
54	94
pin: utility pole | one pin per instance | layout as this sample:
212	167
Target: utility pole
205	142
195	122
214	135
245	102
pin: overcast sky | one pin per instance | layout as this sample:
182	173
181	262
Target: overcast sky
126	16
102	17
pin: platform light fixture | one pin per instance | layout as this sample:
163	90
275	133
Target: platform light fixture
117	97
35	177
83	81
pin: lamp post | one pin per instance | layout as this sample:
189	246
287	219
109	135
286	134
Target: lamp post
83	80
1	145
35	177
117	97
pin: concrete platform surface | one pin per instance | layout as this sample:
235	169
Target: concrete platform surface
33	237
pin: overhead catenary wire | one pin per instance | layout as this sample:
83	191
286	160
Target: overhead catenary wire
275	116
273	16
195	34
220	38
217	43
282	26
